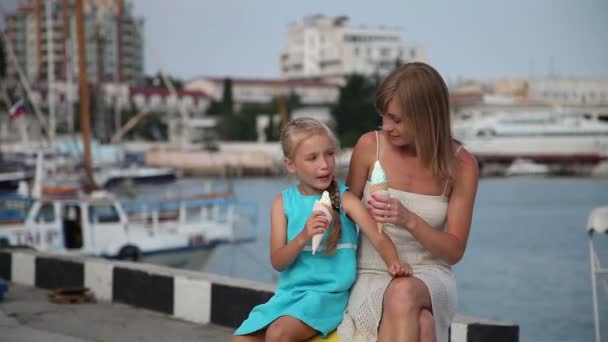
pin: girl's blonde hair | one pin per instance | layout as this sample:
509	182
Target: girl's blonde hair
423	98
292	135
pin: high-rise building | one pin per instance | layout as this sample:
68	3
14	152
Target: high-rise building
320	46
114	39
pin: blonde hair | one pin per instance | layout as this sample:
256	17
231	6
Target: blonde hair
423	99
292	135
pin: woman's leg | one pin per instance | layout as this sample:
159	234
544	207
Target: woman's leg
404	298
257	336
427	326
287	328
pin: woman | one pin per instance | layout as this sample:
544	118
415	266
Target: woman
432	185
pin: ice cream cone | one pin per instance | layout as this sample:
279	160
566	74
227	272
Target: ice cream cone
382	190
324	205
378	184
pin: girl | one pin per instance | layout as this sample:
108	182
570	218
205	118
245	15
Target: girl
312	290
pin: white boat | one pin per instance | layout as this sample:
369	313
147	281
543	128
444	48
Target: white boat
99	224
108	177
542	137
524	167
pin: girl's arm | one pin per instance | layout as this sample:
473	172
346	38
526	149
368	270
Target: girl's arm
360	162
282	254
450	245
383	244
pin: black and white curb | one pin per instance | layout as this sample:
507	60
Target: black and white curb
192	296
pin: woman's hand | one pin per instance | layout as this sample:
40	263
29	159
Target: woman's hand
399	269
317	223
390	210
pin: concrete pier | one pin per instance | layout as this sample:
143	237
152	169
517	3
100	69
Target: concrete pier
173	297
26	315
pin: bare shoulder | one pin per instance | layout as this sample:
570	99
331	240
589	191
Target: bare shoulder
367	140
467	164
366	146
277	202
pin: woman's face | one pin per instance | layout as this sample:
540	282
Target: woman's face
396	125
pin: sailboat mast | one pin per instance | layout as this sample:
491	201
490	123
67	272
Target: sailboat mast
50	69
85	125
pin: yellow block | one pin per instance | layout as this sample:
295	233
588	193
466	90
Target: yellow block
332	337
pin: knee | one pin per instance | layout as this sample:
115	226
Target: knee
401	295
277	332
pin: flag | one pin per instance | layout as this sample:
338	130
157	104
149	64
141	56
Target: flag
17	109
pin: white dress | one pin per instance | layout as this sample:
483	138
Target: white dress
362	316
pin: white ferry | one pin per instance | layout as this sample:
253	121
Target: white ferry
542	137
99	224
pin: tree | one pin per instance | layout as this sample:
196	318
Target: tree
157	81
355	112
227	101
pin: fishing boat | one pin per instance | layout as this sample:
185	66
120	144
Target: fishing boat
167	231
99	224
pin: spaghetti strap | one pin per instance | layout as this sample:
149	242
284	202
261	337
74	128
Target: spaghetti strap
377	146
447	182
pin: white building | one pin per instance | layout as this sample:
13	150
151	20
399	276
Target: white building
262	91
569	91
321	46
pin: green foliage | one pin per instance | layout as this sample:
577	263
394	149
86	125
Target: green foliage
215	108
355	113
227	100
157	81
239	127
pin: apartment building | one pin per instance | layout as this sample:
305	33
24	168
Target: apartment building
321	46
114	39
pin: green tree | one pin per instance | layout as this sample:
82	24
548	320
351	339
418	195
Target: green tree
355	113
157	81
227	100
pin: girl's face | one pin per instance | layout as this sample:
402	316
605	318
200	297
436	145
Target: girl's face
396	125
313	163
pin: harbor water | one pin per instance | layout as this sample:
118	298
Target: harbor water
527	258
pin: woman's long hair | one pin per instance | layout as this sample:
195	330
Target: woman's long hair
423	98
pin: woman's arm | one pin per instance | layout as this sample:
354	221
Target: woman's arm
282	254
450	245
360	162
383	244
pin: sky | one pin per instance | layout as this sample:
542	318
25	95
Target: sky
480	39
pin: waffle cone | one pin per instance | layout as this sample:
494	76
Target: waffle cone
381	188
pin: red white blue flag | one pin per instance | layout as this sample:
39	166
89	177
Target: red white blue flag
17	109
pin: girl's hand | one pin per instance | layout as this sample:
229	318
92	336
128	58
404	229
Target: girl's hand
317	223
389	210
400	269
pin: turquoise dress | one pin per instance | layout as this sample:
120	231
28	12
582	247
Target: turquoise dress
314	288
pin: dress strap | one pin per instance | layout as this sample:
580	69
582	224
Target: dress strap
377	146
447	182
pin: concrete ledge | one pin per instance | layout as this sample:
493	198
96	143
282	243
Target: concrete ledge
192	296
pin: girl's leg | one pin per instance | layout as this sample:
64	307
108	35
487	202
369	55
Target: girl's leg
257	336
427	326
404	299
287	328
